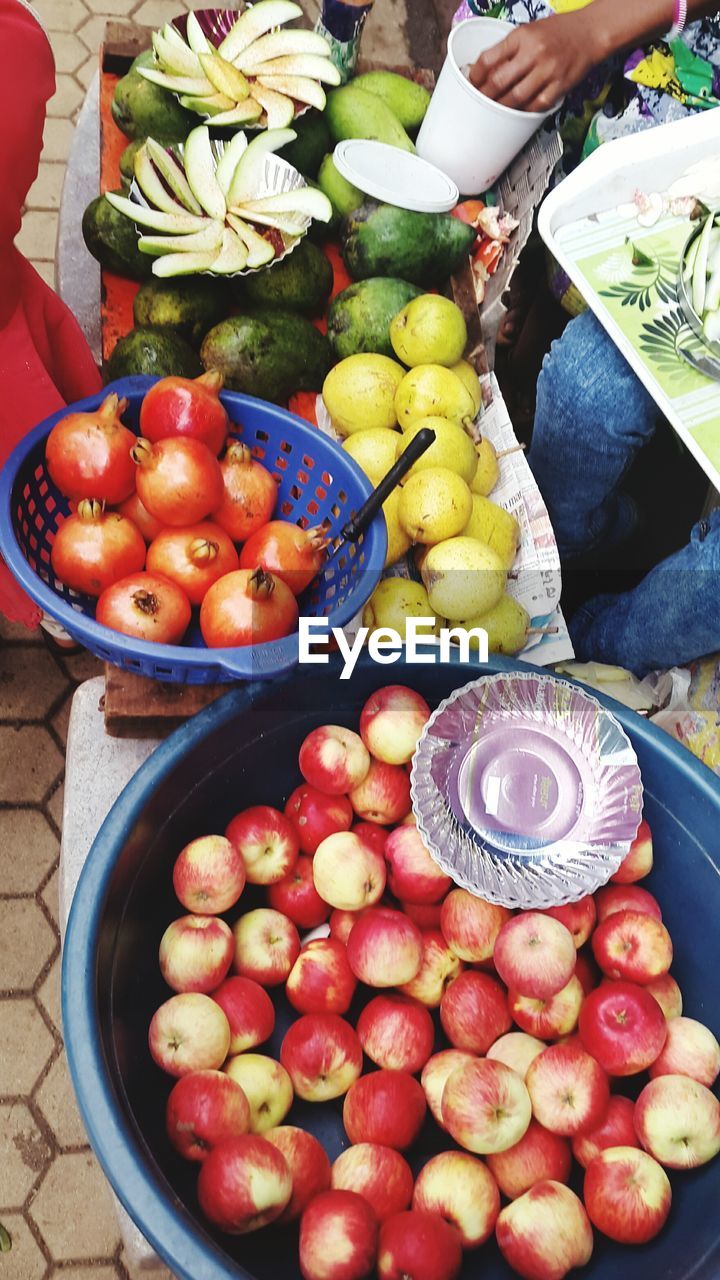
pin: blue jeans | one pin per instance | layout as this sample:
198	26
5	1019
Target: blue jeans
592	418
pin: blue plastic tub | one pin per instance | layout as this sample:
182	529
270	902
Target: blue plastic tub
243	750
319	484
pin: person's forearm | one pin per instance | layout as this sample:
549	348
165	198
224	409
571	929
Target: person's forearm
618	24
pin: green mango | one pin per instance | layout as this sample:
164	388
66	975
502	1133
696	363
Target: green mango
144	110
127	161
268	354
359	317
354	113
189	308
153	351
301	282
343	196
423	248
112	240
406	99
312	141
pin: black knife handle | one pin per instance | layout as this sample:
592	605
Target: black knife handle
355	528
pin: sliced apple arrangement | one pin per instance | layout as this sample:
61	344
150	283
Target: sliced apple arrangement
513	1031
201	208
260	74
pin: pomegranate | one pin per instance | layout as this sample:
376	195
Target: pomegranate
88	454
188	407
296	555
249	496
146	606
93	548
247	607
194	557
178	480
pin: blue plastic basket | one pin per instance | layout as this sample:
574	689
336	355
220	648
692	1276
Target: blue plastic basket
319	484
243	750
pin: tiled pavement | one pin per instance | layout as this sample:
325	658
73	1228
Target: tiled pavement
54	1203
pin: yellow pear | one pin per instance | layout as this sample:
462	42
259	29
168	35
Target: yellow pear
398	541
429	330
488	471
507	625
463	578
452	448
467	375
373	450
432	390
359	393
393	601
497	528
434	504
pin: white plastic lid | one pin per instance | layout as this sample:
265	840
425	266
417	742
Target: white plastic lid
395	176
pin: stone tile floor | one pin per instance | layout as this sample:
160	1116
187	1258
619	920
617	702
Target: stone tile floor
54	1203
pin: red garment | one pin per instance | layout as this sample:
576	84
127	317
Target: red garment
45	362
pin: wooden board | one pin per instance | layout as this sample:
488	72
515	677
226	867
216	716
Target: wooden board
135	707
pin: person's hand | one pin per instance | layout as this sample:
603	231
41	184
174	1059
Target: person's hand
536	65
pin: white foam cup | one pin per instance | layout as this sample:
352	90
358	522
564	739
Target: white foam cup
467	135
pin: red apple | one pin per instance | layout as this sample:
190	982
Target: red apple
516	1050
266	946
391	723
678	1121
623	1027
378	1173
638	862
435	1074
396	1033
586	970
348	873
632	945
425	917
485	1106
569	1089
474	1012
267	843
545	1233
470	926
690	1050
625	897
296	897
203	1109
333	759
267	1087
338	1237
249	1011
539	1156
244	1184
322	1055
627	1195
548	1019
440	966
383	795
321	980
372	834
196	953
668	995
386	1107
189	1033
384	948
413	875
578	917
420	1246
463	1191
315	816
308	1164
341	924
209	875
534	955
616	1130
